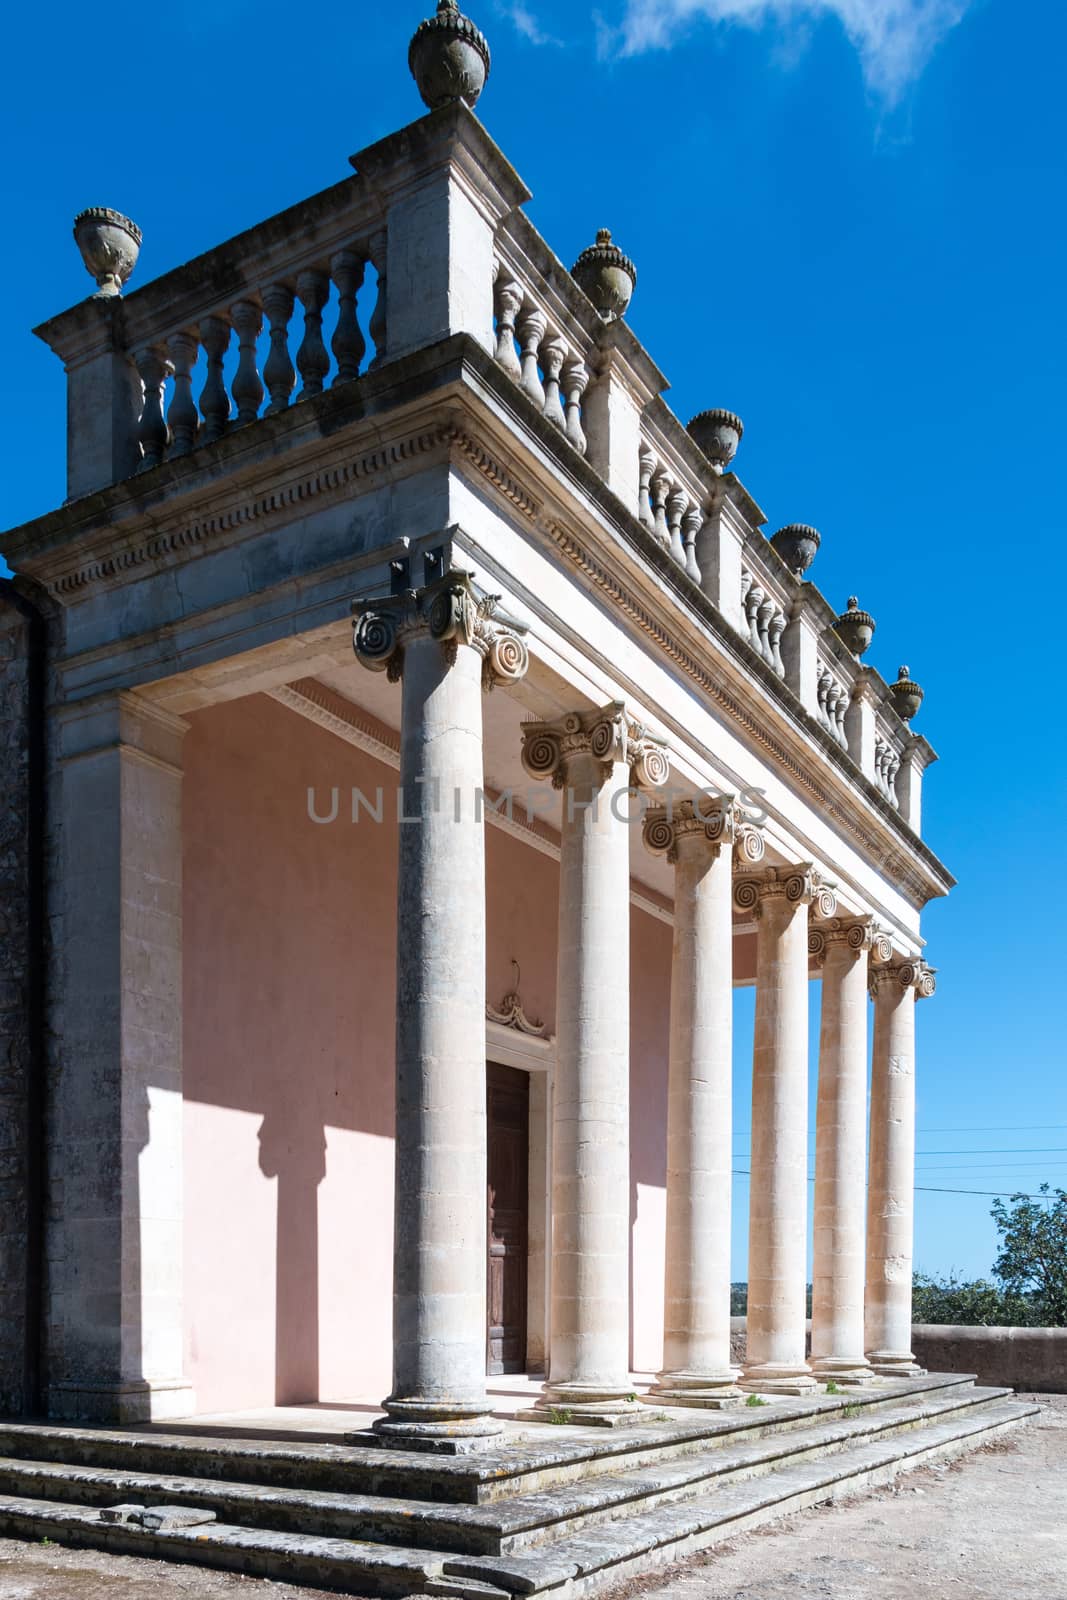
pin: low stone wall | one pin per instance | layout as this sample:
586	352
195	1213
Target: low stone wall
1031	1359
1028	1359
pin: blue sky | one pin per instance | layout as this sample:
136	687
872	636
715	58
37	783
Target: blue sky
848	219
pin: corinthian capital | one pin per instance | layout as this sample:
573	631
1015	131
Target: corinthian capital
718	824
609	735
902	976
449	610
800	886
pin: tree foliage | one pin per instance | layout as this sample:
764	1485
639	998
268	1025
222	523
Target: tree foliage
1033	1251
1030	1290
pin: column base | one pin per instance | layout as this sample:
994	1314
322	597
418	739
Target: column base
584	1405
890	1365
708	1391
776	1379
447	1427
136	1400
848	1374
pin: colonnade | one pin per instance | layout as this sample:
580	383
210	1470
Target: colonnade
447	645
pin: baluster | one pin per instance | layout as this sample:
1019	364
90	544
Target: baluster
891	779
553	352
279	373
348	344
313	363
833	700
531	330
775	629
823	693
247	383
575	383
763	621
182	416
842	708
754	598
677	501
508	304
152	431
692	523
661	488
214	401
378	328
647	465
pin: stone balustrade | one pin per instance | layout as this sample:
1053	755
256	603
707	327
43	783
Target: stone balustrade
315	297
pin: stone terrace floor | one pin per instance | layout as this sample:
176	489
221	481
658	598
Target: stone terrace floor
990	1527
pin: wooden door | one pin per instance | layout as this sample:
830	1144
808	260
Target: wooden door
508	1096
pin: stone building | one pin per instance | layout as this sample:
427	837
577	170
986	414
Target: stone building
295	918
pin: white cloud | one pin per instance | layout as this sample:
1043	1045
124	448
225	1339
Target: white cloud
894	38
524	22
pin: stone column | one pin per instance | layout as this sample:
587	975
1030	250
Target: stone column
699	838
443	644
595	758
890	1191
114	1310
840	1148
778	1192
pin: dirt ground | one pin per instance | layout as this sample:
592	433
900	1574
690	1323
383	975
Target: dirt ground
991	1527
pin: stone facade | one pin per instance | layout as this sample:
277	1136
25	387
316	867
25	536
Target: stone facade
254	1026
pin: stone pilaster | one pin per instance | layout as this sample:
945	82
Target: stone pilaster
594	757
891	1185
445	644
778	1187
700	839
841	948
115	1310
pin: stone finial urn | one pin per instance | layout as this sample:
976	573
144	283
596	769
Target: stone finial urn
607	276
717	434
449	57
905	694
798	545
855	628
110	244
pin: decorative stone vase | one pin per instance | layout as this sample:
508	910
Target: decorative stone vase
855	628
717	434
798	545
110	244
449	58
906	696
607	276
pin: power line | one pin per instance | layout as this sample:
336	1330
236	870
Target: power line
1009	1150
996	1194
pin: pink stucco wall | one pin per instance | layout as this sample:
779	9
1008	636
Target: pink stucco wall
289	951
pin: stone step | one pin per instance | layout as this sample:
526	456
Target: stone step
498	1528
586	1559
549	1456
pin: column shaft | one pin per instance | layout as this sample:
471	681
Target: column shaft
439	1327
841	1128
778	1204
696	1332
589	1359
890	1197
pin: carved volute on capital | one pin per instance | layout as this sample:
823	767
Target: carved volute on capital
854	934
902	976
800	885
450	611
718	823
609	735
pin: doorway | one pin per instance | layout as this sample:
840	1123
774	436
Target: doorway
508	1141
